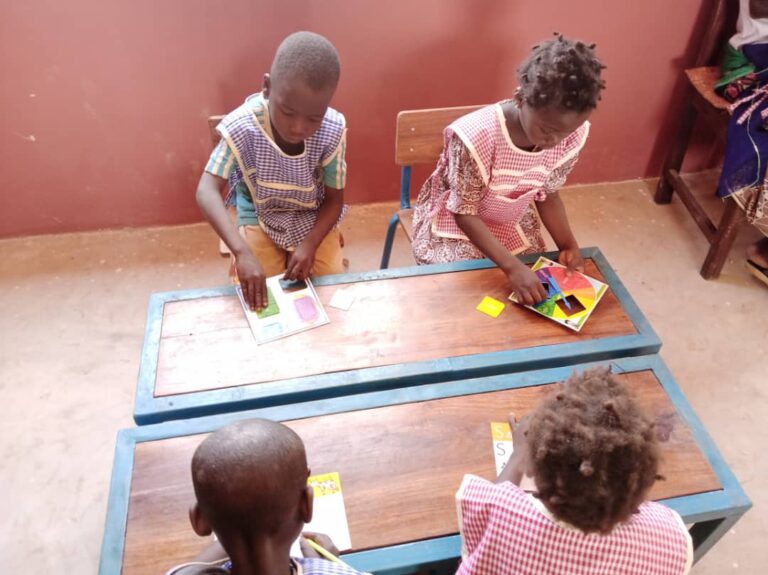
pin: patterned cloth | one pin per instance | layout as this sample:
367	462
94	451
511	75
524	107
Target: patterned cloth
287	191
222	161
746	148
505	530
481	172
300	566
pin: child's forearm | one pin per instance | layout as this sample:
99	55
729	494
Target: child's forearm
327	216
209	200
513	471
554	218
479	234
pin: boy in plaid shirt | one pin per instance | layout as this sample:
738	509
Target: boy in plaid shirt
283	154
593	457
250	481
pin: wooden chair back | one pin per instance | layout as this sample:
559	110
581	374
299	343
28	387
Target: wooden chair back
213	121
419	133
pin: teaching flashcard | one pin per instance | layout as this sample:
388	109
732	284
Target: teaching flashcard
342	299
292	307
330	515
501	433
490	306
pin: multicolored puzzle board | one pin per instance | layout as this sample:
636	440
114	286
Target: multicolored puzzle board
580	291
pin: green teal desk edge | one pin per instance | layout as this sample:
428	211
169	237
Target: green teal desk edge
151	409
712	513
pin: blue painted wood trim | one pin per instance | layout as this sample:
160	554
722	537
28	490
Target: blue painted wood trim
113	544
729	503
150	409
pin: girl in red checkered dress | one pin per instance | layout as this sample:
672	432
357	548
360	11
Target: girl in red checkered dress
498	160
593	457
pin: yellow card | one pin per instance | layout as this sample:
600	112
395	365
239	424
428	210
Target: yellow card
325	484
490	306
501	431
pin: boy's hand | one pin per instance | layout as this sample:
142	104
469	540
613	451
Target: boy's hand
301	262
253	280
571	258
526	285
321	539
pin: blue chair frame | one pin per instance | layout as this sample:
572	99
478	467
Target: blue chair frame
405	204
418	140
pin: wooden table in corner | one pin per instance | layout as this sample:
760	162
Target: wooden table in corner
401	454
407	326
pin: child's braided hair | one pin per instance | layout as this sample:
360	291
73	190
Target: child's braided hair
594	453
561	72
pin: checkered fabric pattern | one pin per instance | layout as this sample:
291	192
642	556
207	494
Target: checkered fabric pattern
514	178
505	531
323	567
287	190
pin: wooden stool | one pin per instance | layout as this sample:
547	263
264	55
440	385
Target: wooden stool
703	102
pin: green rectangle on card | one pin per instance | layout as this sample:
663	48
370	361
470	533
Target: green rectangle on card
271	308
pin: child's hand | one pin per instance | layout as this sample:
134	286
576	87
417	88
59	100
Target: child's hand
520	459
526	285
301	262
571	258
519	434
321	539
253	280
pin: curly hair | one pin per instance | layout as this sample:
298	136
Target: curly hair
561	72
594	453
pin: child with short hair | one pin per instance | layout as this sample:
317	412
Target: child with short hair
283	153
250	481
593	457
499	160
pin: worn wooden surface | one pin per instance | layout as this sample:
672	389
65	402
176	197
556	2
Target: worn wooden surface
206	343
419	133
400	467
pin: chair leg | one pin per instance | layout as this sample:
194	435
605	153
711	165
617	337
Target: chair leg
676	154
389	241
732	218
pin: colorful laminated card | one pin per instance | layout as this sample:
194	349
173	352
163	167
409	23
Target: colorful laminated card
570	299
330	515
501	433
490	306
292	308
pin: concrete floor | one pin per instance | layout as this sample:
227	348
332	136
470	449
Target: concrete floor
72	311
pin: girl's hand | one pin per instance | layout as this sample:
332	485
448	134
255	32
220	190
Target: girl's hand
571	258
525	285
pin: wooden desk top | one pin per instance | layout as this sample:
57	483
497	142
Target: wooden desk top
400	466
206	343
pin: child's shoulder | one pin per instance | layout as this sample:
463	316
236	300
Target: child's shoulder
334	118
480	490
660	512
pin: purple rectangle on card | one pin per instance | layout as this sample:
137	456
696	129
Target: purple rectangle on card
305	306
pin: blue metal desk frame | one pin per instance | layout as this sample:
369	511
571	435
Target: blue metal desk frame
151	409
712	513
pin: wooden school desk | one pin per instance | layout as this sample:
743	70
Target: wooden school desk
406	326
401	455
